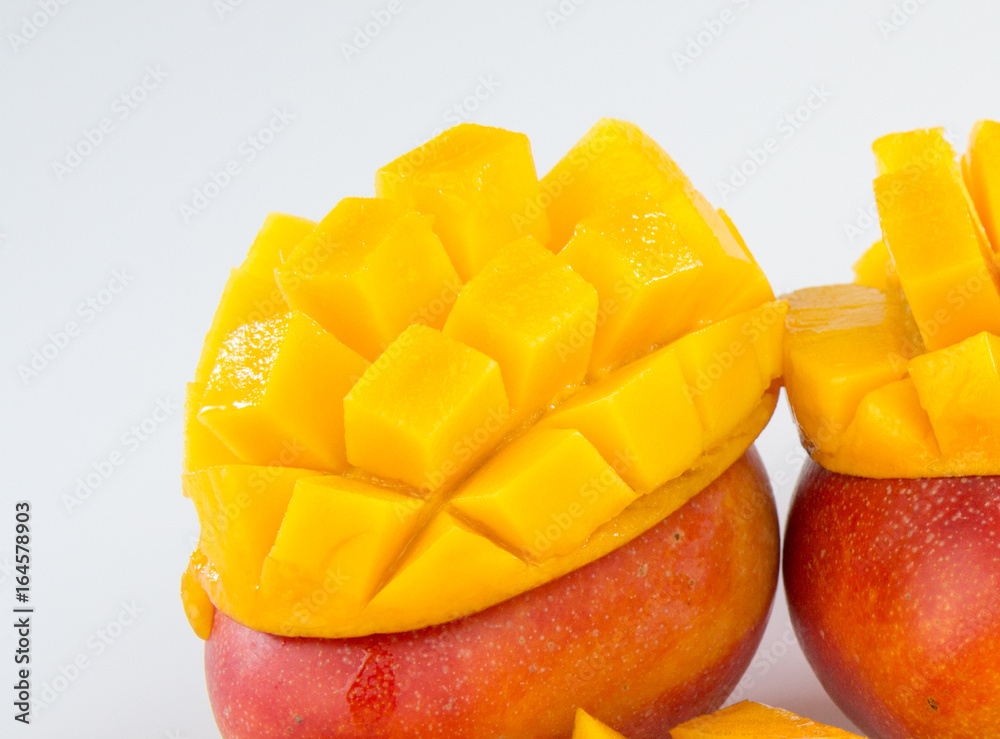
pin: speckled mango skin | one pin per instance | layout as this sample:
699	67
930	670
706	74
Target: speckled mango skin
894	591
644	638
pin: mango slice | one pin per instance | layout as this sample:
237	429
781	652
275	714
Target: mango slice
586	726
634	415
959	387
981	166
480	186
644	272
426	411
545	494
842	342
482	453
345	528
368	270
940	253
240	508
532	314
748	720
277	390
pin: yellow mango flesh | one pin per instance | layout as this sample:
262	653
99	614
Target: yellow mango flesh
633	415
532	314
748	720
586	726
480	458
276	239
426	411
842	342
875	269
480	186
981	166
197	605
959	387
368	270
276	393
942	259
644	273
913	152
583	491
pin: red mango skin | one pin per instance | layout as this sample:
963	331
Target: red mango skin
894	592
648	636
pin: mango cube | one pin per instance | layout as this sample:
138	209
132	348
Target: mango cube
534	316
240	508
959	387
875	268
545	494
940	253
202	448
586	726
441	566
981	166
913	152
368	270
644	273
349	530
276	394
843	341
275	241
641	419
480	186
426	411
748	720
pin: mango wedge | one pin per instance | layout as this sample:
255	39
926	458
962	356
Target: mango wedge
748	720
587	727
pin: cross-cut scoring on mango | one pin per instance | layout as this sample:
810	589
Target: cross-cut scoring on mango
898	375
385	448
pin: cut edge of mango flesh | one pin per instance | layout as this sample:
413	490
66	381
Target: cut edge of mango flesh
586	726
637	518
749	720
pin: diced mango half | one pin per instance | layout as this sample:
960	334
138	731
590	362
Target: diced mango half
534	316
981	166
641	419
479	185
426	411
545	494
940	253
240	508
586	726
959	387
438	571
748	720
348	530
275	241
842	342
277	391
197	605
644	272
368	270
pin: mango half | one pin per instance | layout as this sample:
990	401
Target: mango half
898	375
434	400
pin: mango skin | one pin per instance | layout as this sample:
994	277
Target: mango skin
694	592
893	587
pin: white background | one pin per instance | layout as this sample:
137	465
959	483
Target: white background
554	75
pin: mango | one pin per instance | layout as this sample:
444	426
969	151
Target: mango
534	316
874	268
276	239
586	726
981	167
641	419
368	270
426	411
276	393
748	720
913	152
580	492
202	448
479	185
197	605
